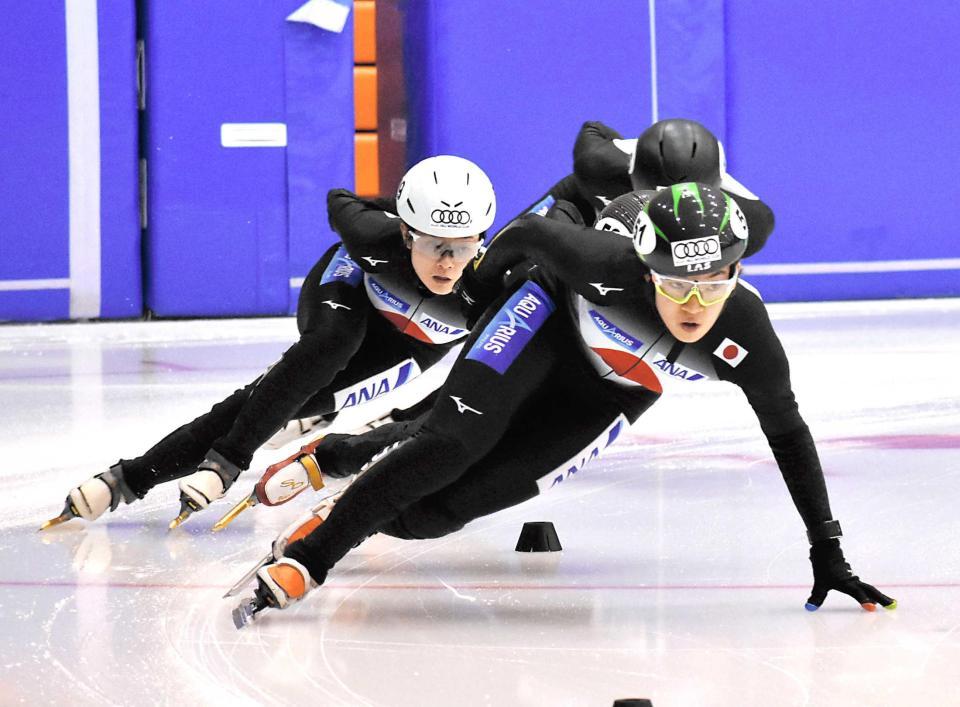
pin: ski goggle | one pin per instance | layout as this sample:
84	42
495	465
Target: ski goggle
461	250
679	290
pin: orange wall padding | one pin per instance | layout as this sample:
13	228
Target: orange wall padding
368	170
365	97
364	32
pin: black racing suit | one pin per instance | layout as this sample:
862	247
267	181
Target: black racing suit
555	369
367	325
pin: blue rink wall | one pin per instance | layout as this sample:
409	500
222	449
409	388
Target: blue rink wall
69	223
841	117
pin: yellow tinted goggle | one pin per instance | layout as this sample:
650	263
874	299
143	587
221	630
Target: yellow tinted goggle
707	292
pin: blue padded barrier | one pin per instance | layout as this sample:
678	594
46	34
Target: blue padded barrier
844	120
120	275
218	216
320	124
508	84
36	278
34	191
691	81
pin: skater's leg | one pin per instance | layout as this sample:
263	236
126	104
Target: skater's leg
475	407
333	312
341	455
568	427
178	454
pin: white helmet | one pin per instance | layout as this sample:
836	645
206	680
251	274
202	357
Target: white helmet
446	196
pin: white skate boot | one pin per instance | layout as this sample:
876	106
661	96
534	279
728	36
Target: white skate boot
93	497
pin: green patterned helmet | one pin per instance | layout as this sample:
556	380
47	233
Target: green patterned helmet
690	229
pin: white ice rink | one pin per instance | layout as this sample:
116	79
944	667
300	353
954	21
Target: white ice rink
682	579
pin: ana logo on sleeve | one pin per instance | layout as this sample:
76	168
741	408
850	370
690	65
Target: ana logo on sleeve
731	352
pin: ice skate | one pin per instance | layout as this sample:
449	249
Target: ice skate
279	585
298	529
209	482
248	609
280	483
94	496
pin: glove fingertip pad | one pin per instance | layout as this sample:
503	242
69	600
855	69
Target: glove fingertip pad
892	606
869	607
810	607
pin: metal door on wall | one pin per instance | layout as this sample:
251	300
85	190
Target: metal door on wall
247	124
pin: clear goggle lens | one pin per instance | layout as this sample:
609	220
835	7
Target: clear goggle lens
707	292
460	249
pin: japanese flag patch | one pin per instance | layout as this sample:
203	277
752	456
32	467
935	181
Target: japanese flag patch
731	352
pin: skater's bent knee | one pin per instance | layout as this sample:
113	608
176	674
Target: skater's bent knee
420	525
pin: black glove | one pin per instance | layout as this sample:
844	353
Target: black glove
831	571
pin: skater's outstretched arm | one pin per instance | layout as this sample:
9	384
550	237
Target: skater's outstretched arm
764	376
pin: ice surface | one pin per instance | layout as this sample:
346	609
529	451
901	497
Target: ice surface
682	579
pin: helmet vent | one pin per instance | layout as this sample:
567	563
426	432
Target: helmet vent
693	152
411	205
468	179
435	180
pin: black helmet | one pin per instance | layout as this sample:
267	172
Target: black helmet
620	215
690	229
673	151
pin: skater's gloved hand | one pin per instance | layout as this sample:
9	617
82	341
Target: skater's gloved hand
210	481
831	571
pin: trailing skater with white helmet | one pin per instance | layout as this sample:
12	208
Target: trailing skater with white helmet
375	311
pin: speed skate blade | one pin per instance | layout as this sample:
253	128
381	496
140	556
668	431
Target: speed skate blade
62	518
245	579
178	521
243	614
68	513
227	519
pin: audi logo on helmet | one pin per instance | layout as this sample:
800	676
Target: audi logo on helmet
696	250
450	217
689	249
